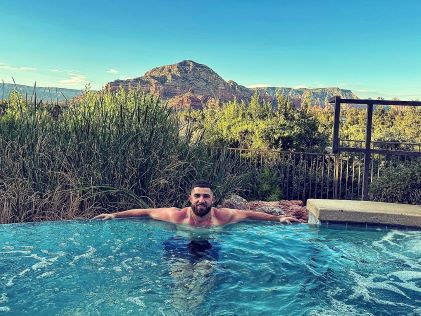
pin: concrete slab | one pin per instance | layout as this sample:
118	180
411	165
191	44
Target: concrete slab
321	210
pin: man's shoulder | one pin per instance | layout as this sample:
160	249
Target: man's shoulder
228	210
179	212
169	214
223	212
229	215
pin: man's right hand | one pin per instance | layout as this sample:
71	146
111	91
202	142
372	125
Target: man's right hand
105	216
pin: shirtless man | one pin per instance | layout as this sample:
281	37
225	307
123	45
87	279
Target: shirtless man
201	213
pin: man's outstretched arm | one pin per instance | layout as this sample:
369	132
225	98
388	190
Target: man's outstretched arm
163	214
240	215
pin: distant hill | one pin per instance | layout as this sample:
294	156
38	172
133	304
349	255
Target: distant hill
186	84
43	93
190	84
319	96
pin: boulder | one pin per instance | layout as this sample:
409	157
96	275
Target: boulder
294	208
235	201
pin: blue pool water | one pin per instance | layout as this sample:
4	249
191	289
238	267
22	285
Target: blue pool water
143	267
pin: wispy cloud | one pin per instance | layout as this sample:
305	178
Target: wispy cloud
16	68
74	80
112	71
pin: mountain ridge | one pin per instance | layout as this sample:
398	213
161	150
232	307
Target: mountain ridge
52	94
189	84
319	96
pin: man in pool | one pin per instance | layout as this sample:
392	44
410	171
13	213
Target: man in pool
200	213
193	259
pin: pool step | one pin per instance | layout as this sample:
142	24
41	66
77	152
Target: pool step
347	211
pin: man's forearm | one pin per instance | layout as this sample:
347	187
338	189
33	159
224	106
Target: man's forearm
132	213
263	216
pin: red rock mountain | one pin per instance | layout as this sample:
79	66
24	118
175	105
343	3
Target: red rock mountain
190	84
186	84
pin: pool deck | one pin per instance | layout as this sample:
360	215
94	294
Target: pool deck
321	210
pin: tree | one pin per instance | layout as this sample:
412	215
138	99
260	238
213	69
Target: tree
306	101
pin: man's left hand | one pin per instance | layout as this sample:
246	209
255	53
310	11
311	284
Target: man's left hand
288	220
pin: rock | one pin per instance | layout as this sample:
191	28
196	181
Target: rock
288	203
267	207
301	214
235	201
270	210
294	208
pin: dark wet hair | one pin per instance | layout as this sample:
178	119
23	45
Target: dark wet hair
201	184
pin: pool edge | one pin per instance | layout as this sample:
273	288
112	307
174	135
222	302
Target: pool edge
364	212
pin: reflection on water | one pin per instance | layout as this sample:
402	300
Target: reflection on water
192	264
193	251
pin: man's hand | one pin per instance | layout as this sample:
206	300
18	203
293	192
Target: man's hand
288	219
105	216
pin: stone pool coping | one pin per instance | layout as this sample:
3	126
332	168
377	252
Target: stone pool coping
366	212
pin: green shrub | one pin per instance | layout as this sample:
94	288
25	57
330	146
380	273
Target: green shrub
267	185
398	184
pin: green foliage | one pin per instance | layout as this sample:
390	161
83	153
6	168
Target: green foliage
306	101
390	124
225	171
260	126
398	184
267	184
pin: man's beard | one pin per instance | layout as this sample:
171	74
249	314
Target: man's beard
201	211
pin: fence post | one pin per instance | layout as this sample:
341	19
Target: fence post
336	158
335	147
367	151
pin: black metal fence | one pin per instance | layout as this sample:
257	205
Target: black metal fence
368	149
315	175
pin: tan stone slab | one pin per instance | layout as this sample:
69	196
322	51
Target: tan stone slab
364	212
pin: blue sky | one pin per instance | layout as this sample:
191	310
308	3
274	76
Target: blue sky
371	47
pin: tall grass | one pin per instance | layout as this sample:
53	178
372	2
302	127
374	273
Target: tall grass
101	153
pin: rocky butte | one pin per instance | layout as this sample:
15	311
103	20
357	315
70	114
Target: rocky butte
188	84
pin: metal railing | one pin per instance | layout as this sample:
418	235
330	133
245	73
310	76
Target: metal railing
302	175
367	150
392	146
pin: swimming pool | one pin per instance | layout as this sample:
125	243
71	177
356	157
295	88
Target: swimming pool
132	267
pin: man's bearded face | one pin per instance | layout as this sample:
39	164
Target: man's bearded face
201	200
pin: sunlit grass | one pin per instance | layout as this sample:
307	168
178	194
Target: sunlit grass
101	153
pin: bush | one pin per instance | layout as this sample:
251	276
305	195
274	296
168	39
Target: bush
267	185
399	184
